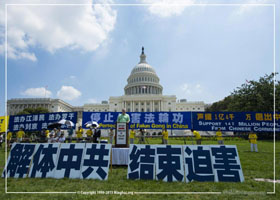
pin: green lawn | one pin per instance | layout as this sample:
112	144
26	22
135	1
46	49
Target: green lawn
254	165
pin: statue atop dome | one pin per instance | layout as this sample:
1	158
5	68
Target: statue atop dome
142	57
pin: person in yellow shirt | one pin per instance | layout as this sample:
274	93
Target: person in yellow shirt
165	136
89	134
253	140
47	132
79	134
9	137
219	135
131	136
197	136
20	135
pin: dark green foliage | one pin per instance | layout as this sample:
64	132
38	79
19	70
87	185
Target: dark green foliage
253	95
28	111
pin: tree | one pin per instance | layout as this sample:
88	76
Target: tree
28	111
253	95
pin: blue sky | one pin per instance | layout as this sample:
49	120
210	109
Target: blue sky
84	54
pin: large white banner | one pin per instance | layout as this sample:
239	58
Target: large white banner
185	163
73	160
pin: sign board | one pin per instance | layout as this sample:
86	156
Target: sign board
37	122
236	121
121	136
77	160
185	163
142	120
3	127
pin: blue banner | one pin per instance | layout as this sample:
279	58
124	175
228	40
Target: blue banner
145	120
236	121
37	122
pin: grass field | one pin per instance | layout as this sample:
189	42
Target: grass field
254	165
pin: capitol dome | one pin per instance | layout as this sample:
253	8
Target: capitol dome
143	79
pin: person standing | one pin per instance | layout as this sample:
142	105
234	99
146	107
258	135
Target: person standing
141	136
197	136
47	133
165	136
131	136
52	139
70	133
89	134
20	135
253	140
43	136
79	134
53	132
219	135
59	132
9	137
111	135
96	135
123	117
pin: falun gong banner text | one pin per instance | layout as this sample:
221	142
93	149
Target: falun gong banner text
236	121
145	120
187	163
37	122
3	126
55	160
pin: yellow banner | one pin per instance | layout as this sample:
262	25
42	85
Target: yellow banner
3	127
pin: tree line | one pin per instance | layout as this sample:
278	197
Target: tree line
255	96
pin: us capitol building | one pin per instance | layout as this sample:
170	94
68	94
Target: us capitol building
142	93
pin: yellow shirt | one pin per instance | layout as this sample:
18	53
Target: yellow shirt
47	133
9	136
89	133
20	134
165	135
253	138
219	135
132	134
80	133
197	135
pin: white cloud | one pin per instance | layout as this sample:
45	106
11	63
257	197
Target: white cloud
92	100
68	93
37	92
185	88
83	27
167	8
191	90
246	8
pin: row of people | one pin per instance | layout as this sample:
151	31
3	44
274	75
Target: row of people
94	134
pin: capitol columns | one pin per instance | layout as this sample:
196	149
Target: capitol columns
145	106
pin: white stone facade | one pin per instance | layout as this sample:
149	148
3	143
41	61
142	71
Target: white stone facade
14	106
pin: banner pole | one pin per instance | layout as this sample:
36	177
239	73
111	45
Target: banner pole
111	159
